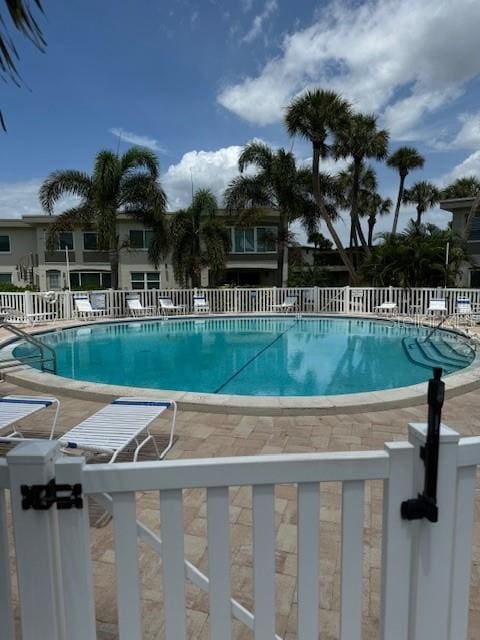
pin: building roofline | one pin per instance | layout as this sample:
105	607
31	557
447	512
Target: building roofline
454	204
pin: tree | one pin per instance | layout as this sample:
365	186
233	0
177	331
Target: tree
415	258
375	206
316	116
277	184
125	184
199	239
360	139
467	187
424	195
23	20
404	160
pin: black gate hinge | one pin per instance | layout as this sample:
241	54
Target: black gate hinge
42	496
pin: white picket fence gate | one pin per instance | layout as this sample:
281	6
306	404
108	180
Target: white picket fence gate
239	300
425	567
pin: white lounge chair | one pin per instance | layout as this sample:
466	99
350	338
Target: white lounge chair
84	310
200	304
288	304
166	305
437	306
136	308
387	308
113	428
14	408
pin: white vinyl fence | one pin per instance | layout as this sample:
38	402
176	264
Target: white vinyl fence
425	567
347	300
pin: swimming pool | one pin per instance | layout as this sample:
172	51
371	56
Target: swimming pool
265	356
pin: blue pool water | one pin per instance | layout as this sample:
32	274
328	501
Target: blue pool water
255	356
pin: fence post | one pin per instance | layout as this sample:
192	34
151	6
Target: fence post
346	299
36	544
432	559
28	306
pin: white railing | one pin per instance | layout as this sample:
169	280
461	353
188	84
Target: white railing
425	567
347	300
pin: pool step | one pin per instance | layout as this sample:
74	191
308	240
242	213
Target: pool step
426	358
457	352
432	352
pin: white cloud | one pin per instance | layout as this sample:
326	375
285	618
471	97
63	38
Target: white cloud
136	139
208	169
467	136
403	59
468	167
257	26
21	198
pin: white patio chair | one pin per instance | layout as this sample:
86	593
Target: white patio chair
200	304
84	310
14	408
437	306
135	307
166	305
387	308
465	311
123	421
288	304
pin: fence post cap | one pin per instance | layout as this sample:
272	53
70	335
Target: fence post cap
34	452
418	431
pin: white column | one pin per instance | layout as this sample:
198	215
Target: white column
36	546
432	566
346	300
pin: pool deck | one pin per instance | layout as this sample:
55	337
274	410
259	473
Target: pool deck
203	434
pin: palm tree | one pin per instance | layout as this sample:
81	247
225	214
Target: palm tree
467	187
23	20
424	195
199	239
316	116
278	184
375	206
404	160
126	184
360	139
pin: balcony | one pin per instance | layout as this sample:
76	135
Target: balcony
59	256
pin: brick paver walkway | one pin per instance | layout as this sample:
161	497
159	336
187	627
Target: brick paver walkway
212	435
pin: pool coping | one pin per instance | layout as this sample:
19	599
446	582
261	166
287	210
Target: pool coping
457	384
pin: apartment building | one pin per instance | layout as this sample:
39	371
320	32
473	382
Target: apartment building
78	262
460	208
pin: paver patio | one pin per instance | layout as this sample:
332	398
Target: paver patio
213	435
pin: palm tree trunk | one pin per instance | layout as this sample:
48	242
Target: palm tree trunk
399	202
354	210
282	238
371	224
326	216
114	260
419	216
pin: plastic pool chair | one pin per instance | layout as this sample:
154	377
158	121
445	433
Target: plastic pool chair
166	305
387	307
464	311
287	305
136	308
437	305
123	421
84	309
200	304
14	408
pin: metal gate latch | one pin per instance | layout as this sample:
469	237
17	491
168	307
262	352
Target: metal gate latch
42	496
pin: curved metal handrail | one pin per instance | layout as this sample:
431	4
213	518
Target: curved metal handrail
41	346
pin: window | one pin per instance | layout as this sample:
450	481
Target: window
65	241
90	280
244	240
90	241
53	279
475	279
254	240
140	238
4	244
5	278
266	239
145	280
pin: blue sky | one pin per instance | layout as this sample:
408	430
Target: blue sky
196	79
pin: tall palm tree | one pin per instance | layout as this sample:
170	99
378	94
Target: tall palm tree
375	206
23	20
317	115
126	184
404	160
277	184
199	239
467	187
360	139
424	195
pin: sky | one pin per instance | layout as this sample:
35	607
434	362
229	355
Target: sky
195	80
